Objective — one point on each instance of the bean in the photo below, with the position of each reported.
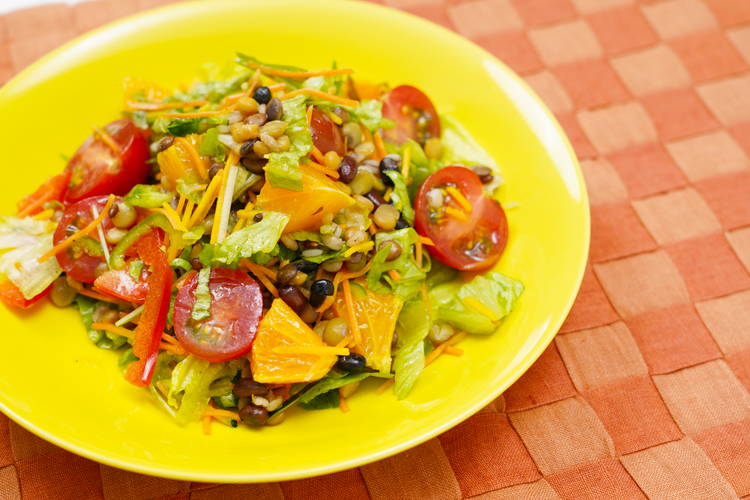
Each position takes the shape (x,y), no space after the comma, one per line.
(110,317)
(125,215)
(320,328)
(394,341)
(62,294)
(165,143)
(275,128)
(319,291)
(276,419)
(311,244)
(196,263)
(246,149)
(100,269)
(115,234)
(286,274)
(364,202)
(353,134)
(274,109)
(261,149)
(332,160)
(247,106)
(242,132)
(433,148)
(306,267)
(253,165)
(342,114)
(366,148)
(336,330)
(347,169)
(293,297)
(354,236)
(440,332)
(352,363)
(387,165)
(386,217)
(481,170)
(486,179)
(258,119)
(215,168)
(262,95)
(401,223)
(99,313)
(362,183)
(376,199)
(332,266)
(395,251)
(308,314)
(332,241)
(253,414)
(247,387)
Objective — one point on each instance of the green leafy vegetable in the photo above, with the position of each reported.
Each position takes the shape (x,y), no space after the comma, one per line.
(202,306)
(400,196)
(211,145)
(324,401)
(408,361)
(411,276)
(420,166)
(22,267)
(193,378)
(333,380)
(282,171)
(258,238)
(126,358)
(102,339)
(146,196)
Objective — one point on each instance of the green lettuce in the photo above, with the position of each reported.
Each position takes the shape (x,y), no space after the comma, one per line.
(333,380)
(104,340)
(369,113)
(408,361)
(192,379)
(495,291)
(202,306)
(244,180)
(258,238)
(400,196)
(291,83)
(420,166)
(147,196)
(411,276)
(187,184)
(282,171)
(211,145)
(22,267)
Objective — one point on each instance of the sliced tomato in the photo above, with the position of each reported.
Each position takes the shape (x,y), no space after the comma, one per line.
(81,258)
(414,114)
(470,245)
(96,169)
(236,310)
(11,295)
(326,135)
(121,284)
(52,190)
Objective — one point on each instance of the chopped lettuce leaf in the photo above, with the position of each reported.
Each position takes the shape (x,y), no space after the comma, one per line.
(369,113)
(244,59)
(187,185)
(411,276)
(244,180)
(439,274)
(15,232)
(333,380)
(193,377)
(496,292)
(211,145)
(282,171)
(24,270)
(202,306)
(408,361)
(258,238)
(400,196)
(104,340)
(147,196)
(322,83)
(218,83)
(324,401)
(306,236)
(126,358)
(420,168)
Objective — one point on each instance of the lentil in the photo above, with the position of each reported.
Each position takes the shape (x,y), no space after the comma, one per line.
(286,274)
(275,128)
(362,183)
(366,203)
(386,217)
(332,160)
(332,266)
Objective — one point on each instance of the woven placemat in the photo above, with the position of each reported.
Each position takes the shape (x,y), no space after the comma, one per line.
(644,393)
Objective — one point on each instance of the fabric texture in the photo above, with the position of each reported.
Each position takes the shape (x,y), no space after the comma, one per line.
(644,392)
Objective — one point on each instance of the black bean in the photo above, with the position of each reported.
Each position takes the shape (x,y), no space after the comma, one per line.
(196,263)
(254,415)
(351,363)
(319,290)
(348,169)
(246,387)
(215,168)
(274,109)
(387,165)
(375,198)
(306,267)
(401,223)
(262,95)
(286,274)
(267,300)
(165,143)
(247,148)
(257,217)
(293,297)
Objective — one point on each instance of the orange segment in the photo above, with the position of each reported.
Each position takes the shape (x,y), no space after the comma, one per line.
(281,327)
(176,160)
(376,316)
(319,196)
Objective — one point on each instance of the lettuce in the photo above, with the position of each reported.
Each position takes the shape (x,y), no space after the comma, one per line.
(244,180)
(400,196)
(324,401)
(420,168)
(333,380)
(211,145)
(202,306)
(411,276)
(459,147)
(102,339)
(193,378)
(147,196)
(187,185)
(258,238)
(24,270)
(369,113)
(282,170)
(408,361)
(495,291)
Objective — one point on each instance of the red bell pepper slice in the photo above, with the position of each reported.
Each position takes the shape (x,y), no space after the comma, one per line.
(10,294)
(148,333)
(52,190)
(121,284)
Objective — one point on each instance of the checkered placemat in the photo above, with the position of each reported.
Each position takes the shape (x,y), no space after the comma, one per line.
(644,393)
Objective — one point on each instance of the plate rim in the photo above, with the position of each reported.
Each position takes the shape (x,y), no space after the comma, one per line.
(107,458)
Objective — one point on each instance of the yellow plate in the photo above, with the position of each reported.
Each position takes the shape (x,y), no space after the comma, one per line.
(57,384)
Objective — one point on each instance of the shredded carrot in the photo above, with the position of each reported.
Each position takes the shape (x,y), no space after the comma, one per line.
(46,215)
(309,119)
(188,212)
(207,425)
(434,354)
(38,203)
(317,154)
(323,170)
(106,138)
(457,338)
(200,114)
(311,349)
(319,273)
(367,136)
(379,146)
(207,200)
(426,241)
(482,309)
(109,327)
(385,386)
(174,219)
(365,246)
(194,156)
(218,413)
(395,275)
(340,277)
(162,388)
(269,286)
(373,230)
(418,246)
(350,309)
(301,74)
(342,404)
(453,351)
(253,83)
(180,205)
(160,106)
(258,270)
(80,234)
(321,95)
(457,214)
(328,302)
(406,163)
(277,87)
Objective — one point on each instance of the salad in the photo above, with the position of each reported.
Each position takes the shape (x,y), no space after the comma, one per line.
(268,237)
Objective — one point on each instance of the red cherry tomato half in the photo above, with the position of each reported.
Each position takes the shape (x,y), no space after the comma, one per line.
(11,295)
(80,259)
(470,245)
(326,135)
(121,284)
(236,309)
(405,105)
(97,170)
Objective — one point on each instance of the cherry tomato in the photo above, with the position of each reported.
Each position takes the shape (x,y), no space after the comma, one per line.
(326,135)
(236,309)
(414,114)
(121,284)
(466,245)
(11,295)
(97,170)
(81,258)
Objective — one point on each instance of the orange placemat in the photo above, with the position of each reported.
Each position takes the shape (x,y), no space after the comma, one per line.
(644,393)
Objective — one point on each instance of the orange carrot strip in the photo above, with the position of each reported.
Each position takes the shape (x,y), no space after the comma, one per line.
(456,338)
(379,147)
(453,351)
(366,133)
(309,118)
(159,106)
(109,327)
(216,412)
(200,114)
(342,404)
(418,246)
(38,203)
(106,138)
(317,154)
(194,156)
(207,425)
(321,95)
(426,241)
(80,234)
(323,170)
(278,86)
(384,387)
(434,354)
(258,270)
(301,74)
(253,83)
(395,275)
